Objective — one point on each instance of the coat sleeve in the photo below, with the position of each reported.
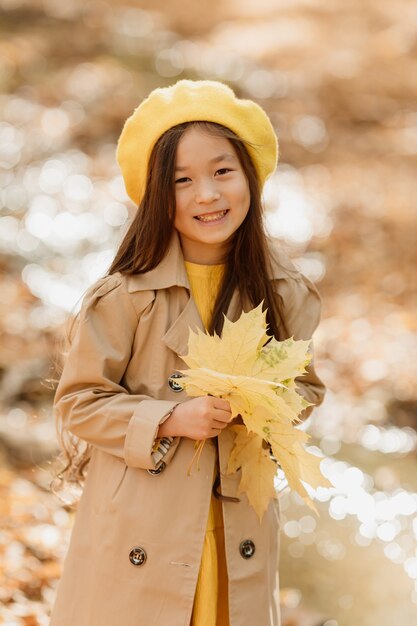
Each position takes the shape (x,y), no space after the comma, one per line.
(90,399)
(302,310)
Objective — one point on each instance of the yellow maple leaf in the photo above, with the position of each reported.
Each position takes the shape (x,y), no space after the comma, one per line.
(286,443)
(280,360)
(296,462)
(256,374)
(258,469)
(240,391)
(233,353)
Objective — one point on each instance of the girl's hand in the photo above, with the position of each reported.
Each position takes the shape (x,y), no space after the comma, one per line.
(198,418)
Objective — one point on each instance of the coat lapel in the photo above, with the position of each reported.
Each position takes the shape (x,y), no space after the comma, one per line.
(171,272)
(176,337)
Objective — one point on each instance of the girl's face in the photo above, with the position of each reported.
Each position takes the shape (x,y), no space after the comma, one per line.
(211,194)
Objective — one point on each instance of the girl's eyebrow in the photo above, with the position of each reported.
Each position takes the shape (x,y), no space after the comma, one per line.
(222,157)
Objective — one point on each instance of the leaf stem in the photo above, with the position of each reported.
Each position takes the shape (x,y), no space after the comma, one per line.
(199,445)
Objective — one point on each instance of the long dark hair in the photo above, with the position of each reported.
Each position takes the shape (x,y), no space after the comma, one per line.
(146,242)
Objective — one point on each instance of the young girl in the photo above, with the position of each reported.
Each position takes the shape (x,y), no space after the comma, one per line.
(151,545)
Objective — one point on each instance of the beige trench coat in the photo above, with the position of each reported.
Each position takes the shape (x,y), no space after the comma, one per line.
(114,393)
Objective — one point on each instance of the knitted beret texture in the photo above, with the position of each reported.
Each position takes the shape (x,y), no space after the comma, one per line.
(189,101)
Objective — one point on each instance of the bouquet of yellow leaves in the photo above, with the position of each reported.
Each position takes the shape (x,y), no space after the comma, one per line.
(256,373)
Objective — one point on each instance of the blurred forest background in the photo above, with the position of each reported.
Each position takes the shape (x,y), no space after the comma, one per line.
(338,80)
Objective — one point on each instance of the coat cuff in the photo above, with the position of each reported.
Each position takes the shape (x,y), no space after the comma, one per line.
(142,432)
(160,450)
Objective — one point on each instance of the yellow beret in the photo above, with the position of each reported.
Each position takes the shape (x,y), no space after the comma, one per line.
(188,101)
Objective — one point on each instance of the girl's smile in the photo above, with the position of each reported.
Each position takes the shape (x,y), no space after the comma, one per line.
(212,218)
(212,195)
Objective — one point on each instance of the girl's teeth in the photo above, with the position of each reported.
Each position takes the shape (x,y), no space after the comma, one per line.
(211,218)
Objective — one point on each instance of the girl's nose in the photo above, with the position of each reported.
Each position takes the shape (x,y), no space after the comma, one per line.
(206,193)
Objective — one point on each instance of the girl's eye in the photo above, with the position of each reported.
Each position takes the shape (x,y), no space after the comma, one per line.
(182,180)
(224,170)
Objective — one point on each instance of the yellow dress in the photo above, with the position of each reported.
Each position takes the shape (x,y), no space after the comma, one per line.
(211,598)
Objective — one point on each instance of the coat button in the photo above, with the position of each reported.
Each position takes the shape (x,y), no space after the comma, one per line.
(247,549)
(158,469)
(173,385)
(137,556)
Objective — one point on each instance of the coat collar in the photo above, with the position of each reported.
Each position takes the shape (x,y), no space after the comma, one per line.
(171,270)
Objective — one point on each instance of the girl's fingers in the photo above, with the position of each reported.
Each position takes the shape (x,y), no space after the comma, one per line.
(223,415)
(218,425)
(221,405)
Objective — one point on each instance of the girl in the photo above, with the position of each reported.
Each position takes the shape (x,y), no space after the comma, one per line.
(152,546)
